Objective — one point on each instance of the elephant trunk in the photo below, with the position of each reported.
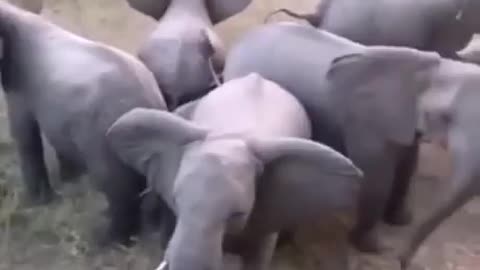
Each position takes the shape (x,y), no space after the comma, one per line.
(195,244)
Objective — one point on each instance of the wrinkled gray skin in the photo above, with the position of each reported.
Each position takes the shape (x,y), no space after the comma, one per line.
(450,115)
(72,89)
(237,177)
(444,26)
(183,52)
(361,101)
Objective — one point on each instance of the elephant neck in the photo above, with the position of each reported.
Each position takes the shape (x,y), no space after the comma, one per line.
(194,11)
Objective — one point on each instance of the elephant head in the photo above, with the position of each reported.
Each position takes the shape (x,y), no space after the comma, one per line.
(217,183)
(193,57)
(218,10)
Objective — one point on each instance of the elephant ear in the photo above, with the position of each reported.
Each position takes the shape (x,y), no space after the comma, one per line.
(220,10)
(302,181)
(142,134)
(152,8)
(378,89)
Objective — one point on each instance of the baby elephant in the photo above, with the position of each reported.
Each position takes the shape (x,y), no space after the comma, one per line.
(183,52)
(237,170)
(72,90)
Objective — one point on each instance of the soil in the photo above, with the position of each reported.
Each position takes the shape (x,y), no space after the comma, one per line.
(60,236)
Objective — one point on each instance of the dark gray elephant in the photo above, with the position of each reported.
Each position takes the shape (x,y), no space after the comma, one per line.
(444,26)
(184,52)
(72,89)
(450,115)
(238,168)
(361,101)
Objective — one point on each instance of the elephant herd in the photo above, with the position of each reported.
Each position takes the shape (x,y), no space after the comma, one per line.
(226,150)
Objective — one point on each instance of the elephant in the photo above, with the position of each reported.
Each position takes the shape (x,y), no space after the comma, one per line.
(184,52)
(449,118)
(72,90)
(444,26)
(361,101)
(235,166)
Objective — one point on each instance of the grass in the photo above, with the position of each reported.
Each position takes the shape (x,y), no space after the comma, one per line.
(57,236)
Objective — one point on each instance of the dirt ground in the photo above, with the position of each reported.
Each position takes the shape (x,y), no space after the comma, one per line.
(59,236)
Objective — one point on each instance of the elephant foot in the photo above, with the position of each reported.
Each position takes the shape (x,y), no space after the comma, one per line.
(402,217)
(367,243)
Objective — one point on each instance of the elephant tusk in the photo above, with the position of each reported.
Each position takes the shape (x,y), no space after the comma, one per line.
(145,191)
(214,74)
(163,265)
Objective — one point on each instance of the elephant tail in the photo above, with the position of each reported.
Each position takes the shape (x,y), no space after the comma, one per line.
(315,19)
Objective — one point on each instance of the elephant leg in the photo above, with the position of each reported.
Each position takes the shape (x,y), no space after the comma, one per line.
(156,215)
(375,190)
(27,136)
(69,171)
(397,211)
(454,200)
(122,188)
(124,211)
(257,252)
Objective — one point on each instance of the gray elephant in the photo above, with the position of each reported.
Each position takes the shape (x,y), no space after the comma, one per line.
(184,52)
(72,90)
(444,26)
(235,167)
(360,99)
(449,118)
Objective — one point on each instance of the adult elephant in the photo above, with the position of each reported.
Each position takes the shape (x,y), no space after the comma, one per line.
(235,166)
(72,89)
(371,100)
(184,52)
(444,26)
(361,101)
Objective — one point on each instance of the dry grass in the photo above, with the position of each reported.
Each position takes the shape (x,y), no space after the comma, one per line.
(58,235)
